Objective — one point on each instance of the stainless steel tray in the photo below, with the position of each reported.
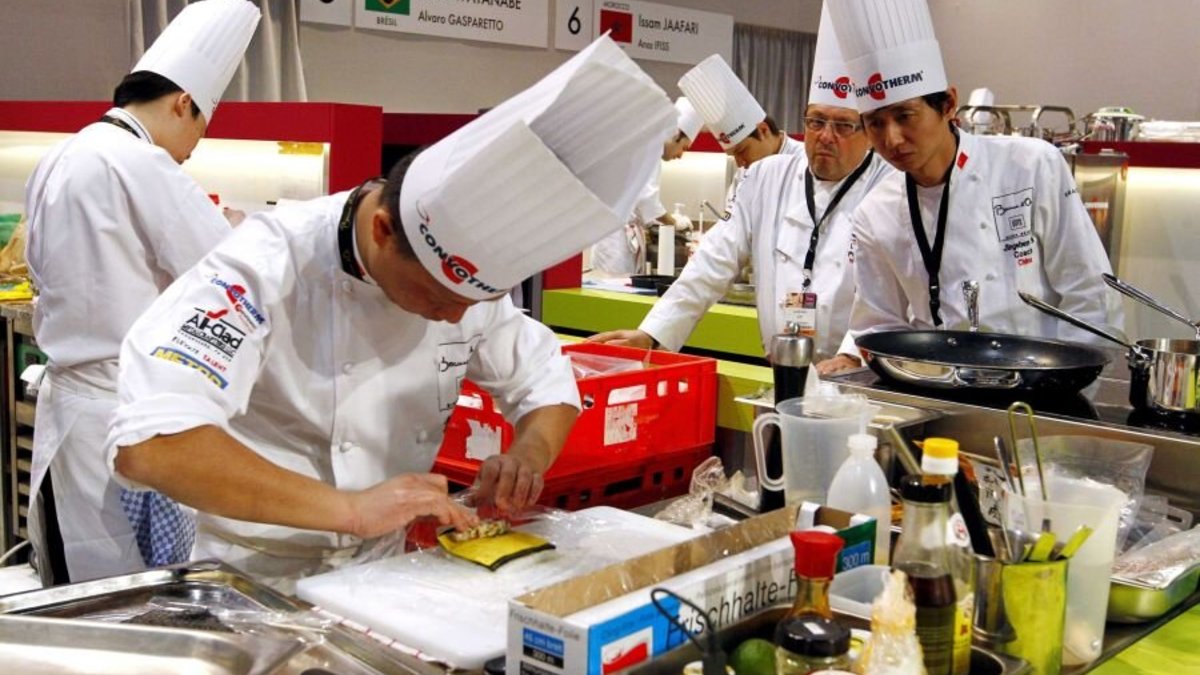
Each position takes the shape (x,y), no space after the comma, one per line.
(34,645)
(215,586)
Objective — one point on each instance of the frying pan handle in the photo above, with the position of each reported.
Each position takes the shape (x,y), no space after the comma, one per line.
(989,378)
(1144,298)
(1079,323)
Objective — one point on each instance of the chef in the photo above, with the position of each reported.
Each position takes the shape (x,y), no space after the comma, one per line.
(294,385)
(623,252)
(802,273)
(1000,210)
(743,129)
(113,220)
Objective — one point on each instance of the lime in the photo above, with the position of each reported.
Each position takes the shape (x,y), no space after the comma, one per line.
(755,656)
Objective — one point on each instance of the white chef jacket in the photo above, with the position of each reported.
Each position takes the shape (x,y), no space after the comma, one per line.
(790,146)
(1016,223)
(113,219)
(770,225)
(316,370)
(623,251)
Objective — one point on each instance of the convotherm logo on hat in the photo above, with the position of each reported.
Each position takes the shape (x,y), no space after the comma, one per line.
(877,87)
(389,6)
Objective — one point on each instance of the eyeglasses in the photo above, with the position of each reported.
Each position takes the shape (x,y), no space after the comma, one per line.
(840,129)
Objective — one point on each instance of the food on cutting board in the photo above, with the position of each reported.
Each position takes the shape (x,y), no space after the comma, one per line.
(486,528)
(492,544)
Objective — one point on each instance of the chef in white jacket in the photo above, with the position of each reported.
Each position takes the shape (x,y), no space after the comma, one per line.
(1002,211)
(742,128)
(623,252)
(294,385)
(771,224)
(113,220)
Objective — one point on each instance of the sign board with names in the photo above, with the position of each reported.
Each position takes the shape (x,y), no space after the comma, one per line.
(645,30)
(514,22)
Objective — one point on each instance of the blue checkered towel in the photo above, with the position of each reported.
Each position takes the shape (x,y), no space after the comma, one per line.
(165,531)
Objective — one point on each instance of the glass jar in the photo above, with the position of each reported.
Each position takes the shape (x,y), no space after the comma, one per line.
(806,644)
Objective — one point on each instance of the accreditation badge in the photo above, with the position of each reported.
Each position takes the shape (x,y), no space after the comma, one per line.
(800,310)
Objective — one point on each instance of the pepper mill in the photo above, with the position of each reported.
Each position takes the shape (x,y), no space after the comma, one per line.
(791,355)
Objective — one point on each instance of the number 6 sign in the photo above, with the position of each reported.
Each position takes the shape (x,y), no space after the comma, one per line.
(574,26)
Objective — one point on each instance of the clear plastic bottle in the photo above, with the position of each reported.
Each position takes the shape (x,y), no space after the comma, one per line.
(860,486)
(939,463)
(923,554)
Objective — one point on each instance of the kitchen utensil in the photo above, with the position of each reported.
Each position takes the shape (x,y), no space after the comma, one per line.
(650,281)
(1112,123)
(907,459)
(1164,374)
(1077,539)
(791,355)
(944,359)
(1006,463)
(814,433)
(1033,437)
(713,210)
(1146,299)
(970,291)
(1043,546)
(1128,603)
(1021,610)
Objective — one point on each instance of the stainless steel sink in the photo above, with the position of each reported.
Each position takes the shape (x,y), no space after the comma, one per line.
(32,646)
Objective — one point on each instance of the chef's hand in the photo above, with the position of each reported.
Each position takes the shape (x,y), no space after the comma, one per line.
(510,481)
(234,216)
(624,338)
(397,501)
(837,364)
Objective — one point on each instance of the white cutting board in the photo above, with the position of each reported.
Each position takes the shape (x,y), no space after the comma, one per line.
(457,612)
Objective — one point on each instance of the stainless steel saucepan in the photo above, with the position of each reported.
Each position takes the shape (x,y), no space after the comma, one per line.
(1164,374)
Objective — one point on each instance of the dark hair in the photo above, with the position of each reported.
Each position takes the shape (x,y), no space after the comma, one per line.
(389,197)
(772,126)
(938,100)
(145,86)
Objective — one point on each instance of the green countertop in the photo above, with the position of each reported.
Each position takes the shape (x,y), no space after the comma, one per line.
(731,329)
(1173,649)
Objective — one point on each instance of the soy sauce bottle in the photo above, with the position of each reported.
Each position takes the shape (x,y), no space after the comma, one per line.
(923,553)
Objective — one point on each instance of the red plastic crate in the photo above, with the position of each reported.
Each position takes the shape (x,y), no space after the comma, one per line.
(628,485)
(676,410)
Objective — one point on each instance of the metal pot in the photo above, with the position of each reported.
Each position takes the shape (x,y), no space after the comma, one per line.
(1112,124)
(947,359)
(1164,374)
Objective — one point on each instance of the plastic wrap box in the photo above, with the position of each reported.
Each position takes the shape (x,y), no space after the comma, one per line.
(603,622)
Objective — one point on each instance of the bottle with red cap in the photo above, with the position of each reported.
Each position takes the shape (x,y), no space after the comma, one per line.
(808,639)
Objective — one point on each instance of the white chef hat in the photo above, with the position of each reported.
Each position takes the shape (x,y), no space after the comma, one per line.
(890,50)
(830,84)
(728,108)
(201,48)
(690,121)
(539,177)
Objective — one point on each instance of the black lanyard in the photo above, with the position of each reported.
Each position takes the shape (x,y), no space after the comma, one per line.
(120,123)
(345,236)
(810,257)
(931,257)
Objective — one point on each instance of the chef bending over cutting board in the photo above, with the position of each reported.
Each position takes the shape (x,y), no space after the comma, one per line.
(294,385)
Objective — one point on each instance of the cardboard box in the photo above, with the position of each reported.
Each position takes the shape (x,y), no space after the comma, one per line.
(605,621)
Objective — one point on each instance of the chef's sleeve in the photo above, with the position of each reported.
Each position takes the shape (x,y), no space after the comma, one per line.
(708,274)
(649,205)
(193,357)
(1073,257)
(879,300)
(180,223)
(520,363)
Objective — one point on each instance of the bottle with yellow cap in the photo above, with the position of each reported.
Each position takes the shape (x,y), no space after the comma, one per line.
(939,464)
